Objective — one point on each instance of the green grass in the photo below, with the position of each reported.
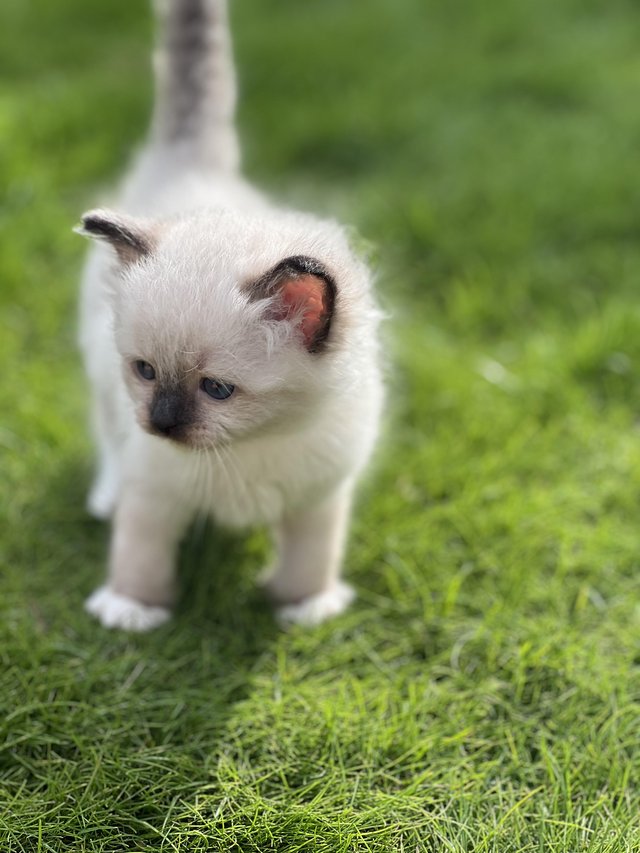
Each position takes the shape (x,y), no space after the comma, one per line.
(484,692)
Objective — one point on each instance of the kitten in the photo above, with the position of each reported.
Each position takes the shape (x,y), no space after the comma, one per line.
(232,351)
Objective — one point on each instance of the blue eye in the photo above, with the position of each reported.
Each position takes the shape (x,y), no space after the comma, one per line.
(217,389)
(144,369)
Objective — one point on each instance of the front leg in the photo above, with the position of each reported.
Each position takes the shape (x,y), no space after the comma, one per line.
(306,583)
(140,588)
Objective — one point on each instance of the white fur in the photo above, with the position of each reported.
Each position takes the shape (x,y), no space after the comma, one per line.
(316,608)
(285,449)
(120,611)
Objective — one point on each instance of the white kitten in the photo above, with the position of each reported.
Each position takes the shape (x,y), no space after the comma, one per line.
(232,349)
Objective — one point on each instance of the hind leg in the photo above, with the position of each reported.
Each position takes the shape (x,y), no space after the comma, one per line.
(103,493)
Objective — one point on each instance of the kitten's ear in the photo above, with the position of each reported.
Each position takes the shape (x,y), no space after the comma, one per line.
(300,290)
(133,239)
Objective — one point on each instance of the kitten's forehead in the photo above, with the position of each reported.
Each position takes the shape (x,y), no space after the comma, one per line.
(189,303)
(216,251)
(184,325)
(245,246)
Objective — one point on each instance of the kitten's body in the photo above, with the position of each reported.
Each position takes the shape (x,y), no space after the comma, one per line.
(214,281)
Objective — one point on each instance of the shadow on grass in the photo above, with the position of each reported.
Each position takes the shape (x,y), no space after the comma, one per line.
(217,568)
(74,685)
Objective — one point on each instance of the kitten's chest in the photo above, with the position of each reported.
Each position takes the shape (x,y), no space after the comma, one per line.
(239,495)
(260,485)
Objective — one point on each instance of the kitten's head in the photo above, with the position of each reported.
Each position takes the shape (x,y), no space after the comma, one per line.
(229,326)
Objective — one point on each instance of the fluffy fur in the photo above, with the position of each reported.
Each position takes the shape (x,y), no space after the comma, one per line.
(190,280)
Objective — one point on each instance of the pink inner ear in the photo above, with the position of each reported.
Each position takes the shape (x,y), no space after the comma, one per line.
(305,295)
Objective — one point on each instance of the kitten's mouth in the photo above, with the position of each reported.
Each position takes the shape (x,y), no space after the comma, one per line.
(176,434)
(179,435)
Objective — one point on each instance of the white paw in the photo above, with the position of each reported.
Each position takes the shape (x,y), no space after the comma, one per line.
(316,608)
(119,611)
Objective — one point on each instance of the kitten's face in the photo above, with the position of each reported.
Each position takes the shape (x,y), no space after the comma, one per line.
(205,387)
(223,333)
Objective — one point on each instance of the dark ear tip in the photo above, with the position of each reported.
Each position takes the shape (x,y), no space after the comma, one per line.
(97,222)
(125,234)
(89,222)
(92,224)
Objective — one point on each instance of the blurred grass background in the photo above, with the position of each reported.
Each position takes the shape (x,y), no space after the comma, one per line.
(484,693)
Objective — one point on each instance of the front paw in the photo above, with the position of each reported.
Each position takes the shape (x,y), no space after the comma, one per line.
(317,608)
(119,611)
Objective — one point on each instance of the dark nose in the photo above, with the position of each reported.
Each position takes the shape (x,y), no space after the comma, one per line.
(168,415)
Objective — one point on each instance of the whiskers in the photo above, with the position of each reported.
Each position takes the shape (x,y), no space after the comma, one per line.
(236,487)
(215,478)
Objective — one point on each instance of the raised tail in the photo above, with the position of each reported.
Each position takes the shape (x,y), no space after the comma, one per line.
(195,83)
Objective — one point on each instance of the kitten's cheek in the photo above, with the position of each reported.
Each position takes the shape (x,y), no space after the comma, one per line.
(142,417)
(143,420)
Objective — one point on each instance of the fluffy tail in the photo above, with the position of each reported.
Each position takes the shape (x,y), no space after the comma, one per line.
(195,83)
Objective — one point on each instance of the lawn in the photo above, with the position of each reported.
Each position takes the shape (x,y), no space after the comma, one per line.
(484,692)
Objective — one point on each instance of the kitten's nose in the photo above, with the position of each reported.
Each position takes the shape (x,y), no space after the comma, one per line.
(167,414)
